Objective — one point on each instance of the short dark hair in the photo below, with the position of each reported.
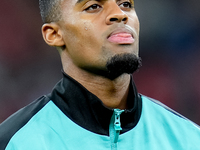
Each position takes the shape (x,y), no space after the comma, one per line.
(50,10)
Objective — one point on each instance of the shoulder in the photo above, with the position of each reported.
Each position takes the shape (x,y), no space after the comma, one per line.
(169,121)
(159,108)
(19,119)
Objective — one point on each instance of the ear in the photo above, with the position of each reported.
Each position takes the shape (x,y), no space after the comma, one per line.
(52,35)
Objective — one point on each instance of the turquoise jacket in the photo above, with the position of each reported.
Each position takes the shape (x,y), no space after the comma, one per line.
(72,118)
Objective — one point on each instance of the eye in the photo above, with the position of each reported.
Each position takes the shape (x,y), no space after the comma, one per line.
(126,5)
(93,8)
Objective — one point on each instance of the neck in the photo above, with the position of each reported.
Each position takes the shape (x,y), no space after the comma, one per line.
(113,93)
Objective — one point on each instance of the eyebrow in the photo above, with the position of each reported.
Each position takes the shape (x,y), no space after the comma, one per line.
(79,1)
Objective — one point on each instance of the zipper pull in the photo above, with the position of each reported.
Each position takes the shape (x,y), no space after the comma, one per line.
(117,123)
(115,128)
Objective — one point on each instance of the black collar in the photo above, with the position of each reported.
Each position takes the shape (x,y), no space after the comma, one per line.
(87,110)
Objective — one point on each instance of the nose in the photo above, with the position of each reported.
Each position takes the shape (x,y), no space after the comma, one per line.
(116,15)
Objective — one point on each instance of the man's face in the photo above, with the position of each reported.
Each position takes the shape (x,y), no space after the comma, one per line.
(96,30)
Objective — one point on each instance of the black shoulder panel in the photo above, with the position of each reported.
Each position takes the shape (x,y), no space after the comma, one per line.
(16,121)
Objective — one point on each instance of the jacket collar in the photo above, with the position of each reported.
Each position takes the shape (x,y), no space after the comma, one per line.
(88,111)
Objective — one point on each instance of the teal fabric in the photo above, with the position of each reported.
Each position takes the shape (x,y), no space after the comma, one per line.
(157,129)
(160,129)
(50,129)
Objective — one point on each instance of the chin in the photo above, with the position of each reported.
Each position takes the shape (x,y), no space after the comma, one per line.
(122,63)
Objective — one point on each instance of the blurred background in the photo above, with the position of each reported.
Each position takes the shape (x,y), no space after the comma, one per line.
(169,47)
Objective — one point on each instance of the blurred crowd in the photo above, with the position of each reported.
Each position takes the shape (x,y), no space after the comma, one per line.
(169,48)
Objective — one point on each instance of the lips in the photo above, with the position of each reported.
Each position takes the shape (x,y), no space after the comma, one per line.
(121,36)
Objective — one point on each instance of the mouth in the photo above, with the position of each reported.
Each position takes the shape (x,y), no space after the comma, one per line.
(121,36)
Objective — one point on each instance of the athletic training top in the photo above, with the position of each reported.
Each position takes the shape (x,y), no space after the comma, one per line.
(72,118)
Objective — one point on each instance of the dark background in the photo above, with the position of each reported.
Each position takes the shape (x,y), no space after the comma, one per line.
(169,47)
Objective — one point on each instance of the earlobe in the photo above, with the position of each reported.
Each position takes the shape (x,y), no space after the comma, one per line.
(52,35)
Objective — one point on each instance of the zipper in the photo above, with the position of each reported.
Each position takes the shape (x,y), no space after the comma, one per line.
(115,128)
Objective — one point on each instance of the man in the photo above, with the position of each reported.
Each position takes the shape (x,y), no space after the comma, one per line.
(96,105)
